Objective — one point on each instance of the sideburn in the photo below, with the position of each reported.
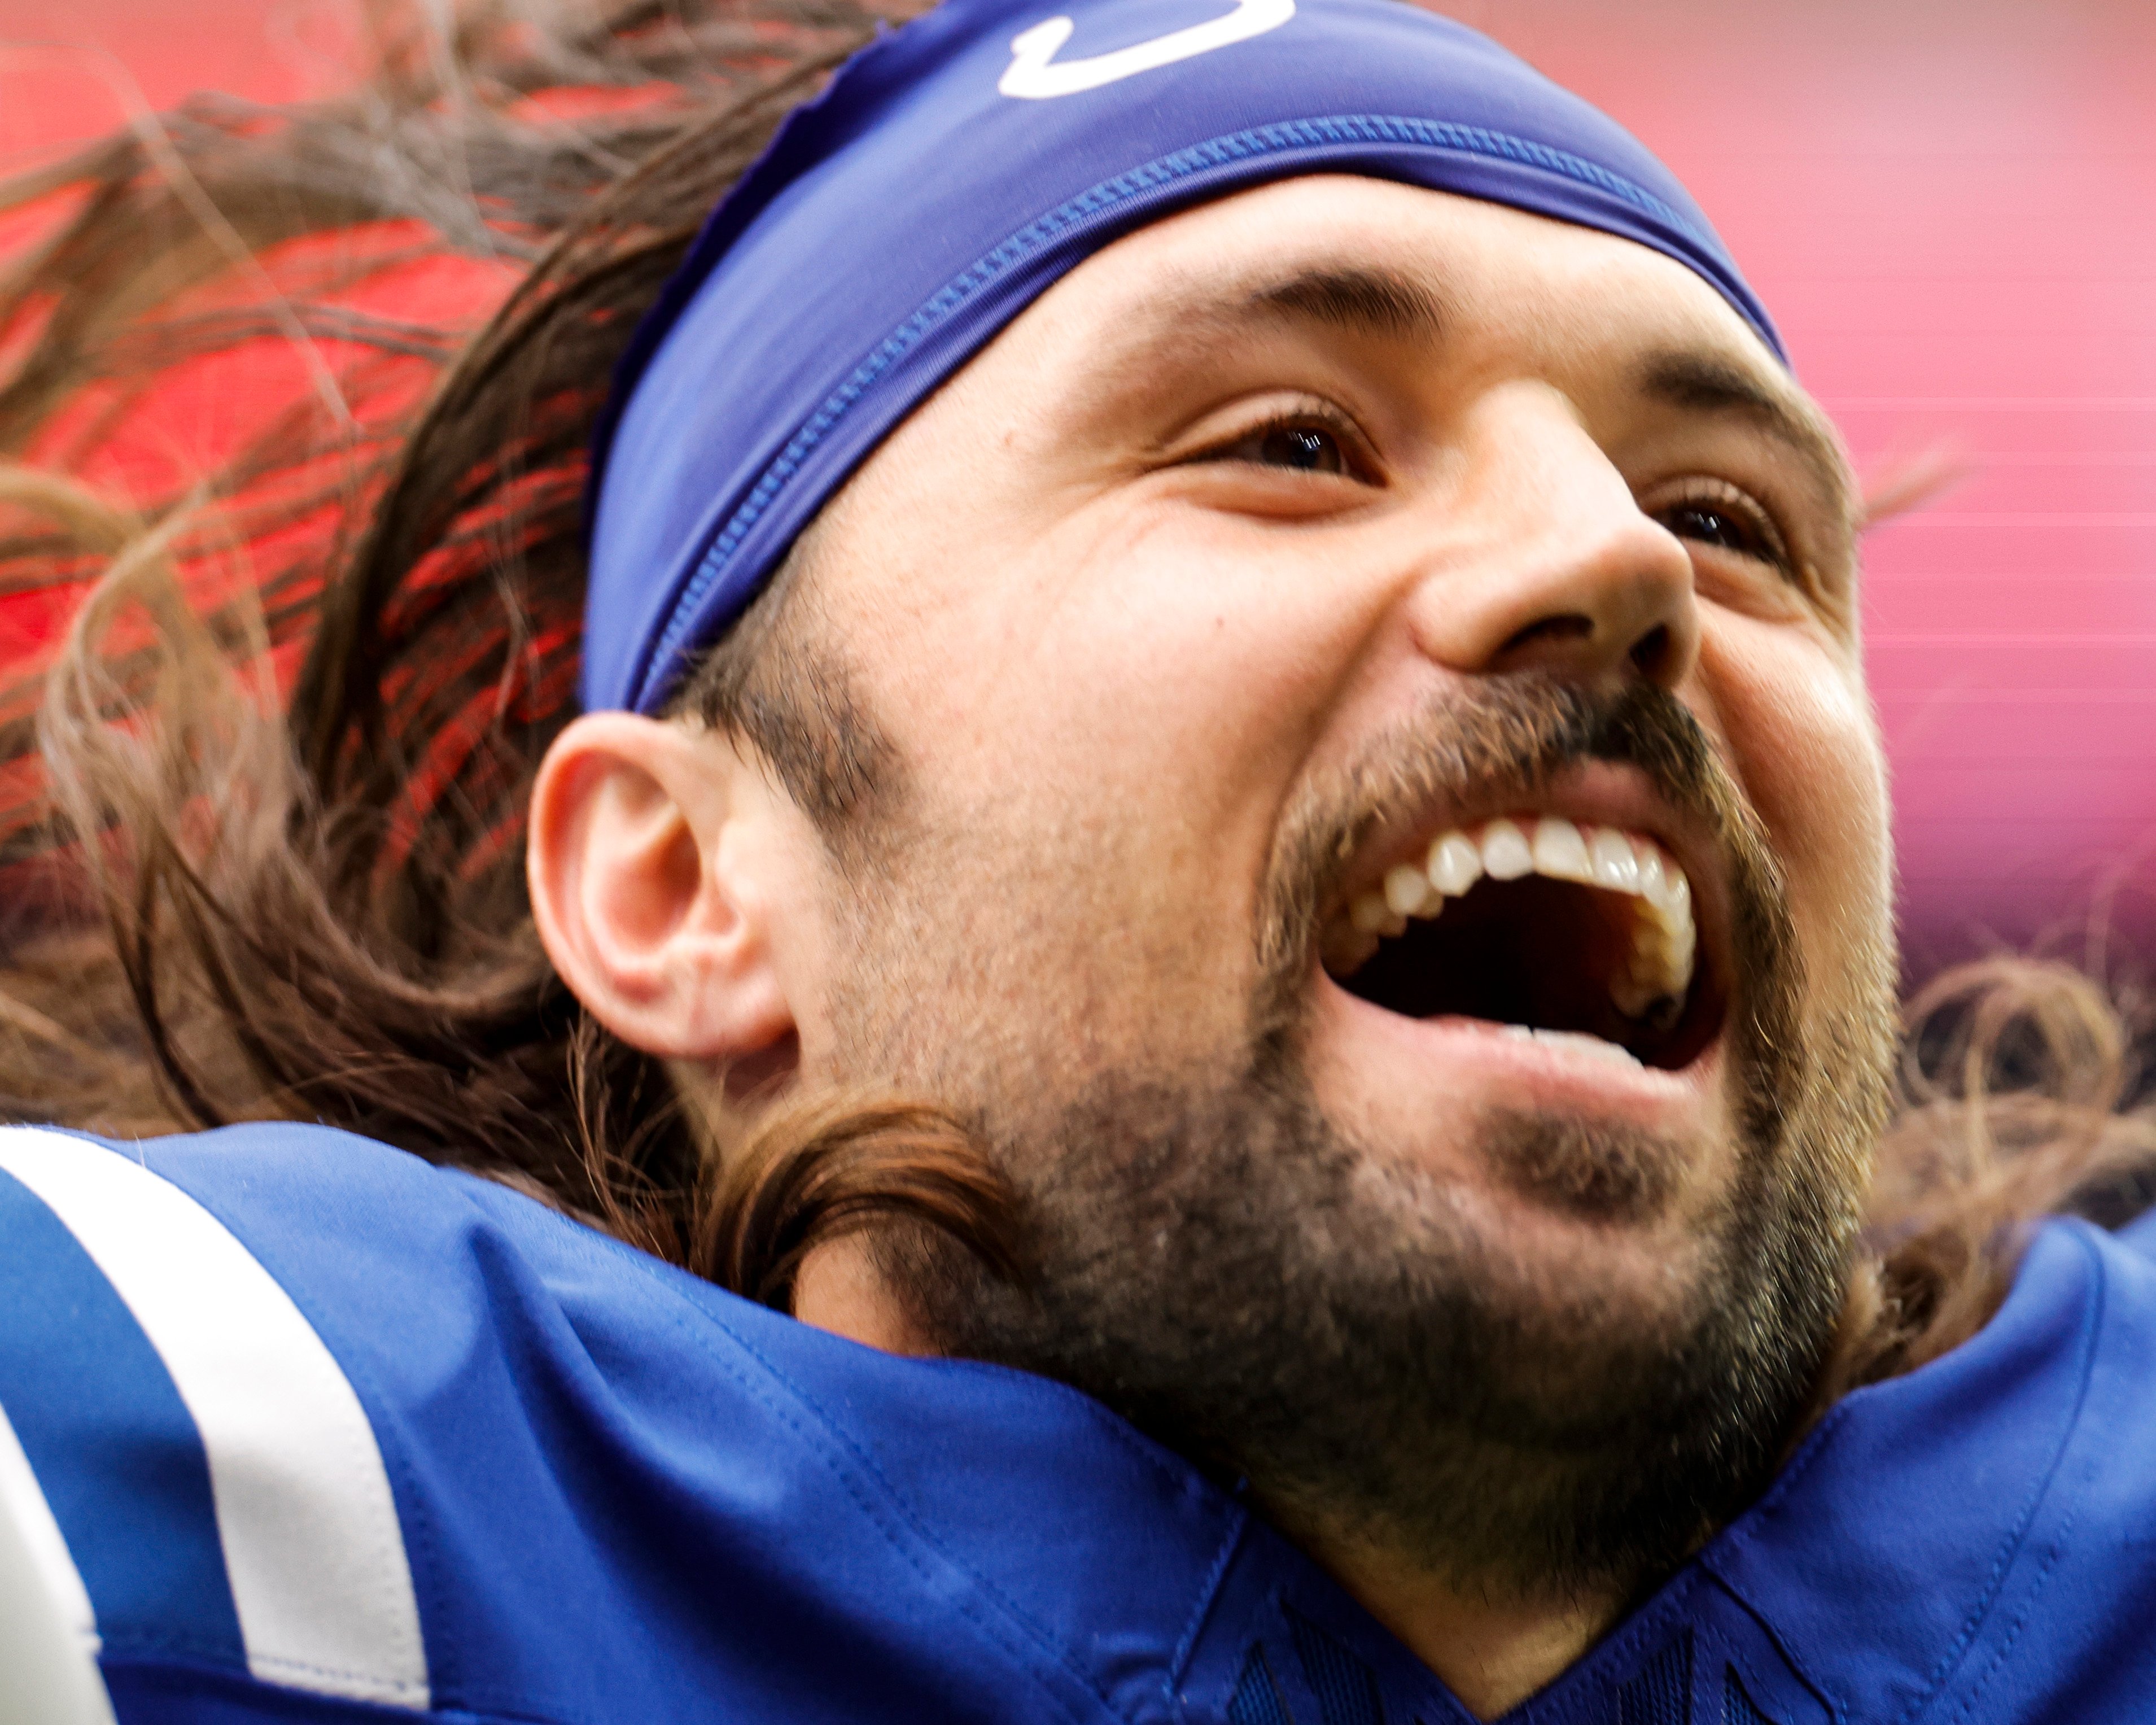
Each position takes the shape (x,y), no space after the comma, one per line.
(778,682)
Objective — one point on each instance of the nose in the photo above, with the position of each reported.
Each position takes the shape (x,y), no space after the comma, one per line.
(1547,563)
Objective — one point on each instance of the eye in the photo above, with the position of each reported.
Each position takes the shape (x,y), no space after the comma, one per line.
(1304,448)
(1302,444)
(1720,515)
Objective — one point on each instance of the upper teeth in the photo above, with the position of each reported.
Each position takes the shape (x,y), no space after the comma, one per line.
(1665,940)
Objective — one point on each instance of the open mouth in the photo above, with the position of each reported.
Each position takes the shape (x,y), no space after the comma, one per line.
(1577,935)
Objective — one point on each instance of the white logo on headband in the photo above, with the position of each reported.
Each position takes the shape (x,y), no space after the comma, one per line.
(1034,75)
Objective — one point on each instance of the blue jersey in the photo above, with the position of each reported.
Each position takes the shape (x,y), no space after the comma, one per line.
(299,1428)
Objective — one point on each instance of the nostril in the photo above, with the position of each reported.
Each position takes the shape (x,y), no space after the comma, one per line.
(1549,631)
(1652,651)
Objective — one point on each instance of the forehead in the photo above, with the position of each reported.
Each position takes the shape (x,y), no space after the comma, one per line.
(1461,255)
(1461,279)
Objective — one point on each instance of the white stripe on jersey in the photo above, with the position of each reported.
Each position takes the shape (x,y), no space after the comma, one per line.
(47,1634)
(312,1547)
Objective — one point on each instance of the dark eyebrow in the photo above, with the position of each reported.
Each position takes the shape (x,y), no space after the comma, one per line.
(1370,302)
(1701,383)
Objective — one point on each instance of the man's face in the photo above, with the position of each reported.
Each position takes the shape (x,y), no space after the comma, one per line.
(1281,547)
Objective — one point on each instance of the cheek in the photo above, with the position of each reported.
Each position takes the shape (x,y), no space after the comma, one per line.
(1166,682)
(1109,722)
(1800,729)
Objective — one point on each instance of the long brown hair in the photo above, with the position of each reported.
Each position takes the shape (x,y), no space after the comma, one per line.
(261,842)
(260,807)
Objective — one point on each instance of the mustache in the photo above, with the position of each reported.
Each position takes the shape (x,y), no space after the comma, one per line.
(1510,736)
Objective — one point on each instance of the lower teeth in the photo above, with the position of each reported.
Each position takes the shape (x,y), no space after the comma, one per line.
(1577,1042)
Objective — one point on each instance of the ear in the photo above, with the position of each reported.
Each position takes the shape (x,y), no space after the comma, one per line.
(650,854)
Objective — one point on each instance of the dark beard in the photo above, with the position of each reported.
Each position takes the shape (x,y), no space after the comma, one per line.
(1218,1262)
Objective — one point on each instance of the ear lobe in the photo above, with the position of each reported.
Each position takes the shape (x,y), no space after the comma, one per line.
(653,919)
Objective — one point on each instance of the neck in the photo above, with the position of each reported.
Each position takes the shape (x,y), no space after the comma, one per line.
(1492,1651)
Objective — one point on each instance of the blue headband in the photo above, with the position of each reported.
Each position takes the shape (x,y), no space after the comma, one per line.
(956,167)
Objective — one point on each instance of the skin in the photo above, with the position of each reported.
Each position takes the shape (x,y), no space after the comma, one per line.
(1132,625)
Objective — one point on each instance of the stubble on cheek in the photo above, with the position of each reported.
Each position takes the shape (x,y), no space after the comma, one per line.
(1224,1264)
(993,962)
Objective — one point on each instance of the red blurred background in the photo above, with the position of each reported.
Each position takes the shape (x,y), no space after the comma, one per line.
(1950,208)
